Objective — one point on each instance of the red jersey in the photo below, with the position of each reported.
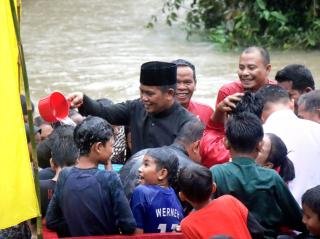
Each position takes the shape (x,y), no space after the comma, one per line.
(225,215)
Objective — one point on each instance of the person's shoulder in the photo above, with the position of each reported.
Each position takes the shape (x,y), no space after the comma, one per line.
(233,85)
(200,105)
(220,167)
(47,183)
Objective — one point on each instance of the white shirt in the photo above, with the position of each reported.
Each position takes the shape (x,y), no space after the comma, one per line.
(302,138)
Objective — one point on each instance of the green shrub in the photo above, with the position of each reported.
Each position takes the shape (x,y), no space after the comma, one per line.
(231,23)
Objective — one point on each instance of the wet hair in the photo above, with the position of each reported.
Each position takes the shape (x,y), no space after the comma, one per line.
(251,103)
(244,131)
(278,156)
(311,101)
(63,148)
(311,198)
(299,75)
(24,105)
(195,181)
(184,63)
(190,132)
(91,130)
(273,94)
(165,158)
(263,52)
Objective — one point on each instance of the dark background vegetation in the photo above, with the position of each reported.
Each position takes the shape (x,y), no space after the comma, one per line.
(281,24)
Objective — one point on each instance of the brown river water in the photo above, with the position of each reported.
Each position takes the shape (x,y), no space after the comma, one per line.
(98,47)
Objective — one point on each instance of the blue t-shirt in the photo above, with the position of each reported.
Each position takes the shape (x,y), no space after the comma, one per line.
(156,209)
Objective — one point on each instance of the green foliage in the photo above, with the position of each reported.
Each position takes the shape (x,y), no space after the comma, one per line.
(231,23)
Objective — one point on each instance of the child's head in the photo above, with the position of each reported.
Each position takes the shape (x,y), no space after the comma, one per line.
(274,154)
(195,183)
(63,149)
(244,133)
(311,210)
(159,167)
(94,134)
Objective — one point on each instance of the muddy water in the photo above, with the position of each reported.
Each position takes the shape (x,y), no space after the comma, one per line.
(98,46)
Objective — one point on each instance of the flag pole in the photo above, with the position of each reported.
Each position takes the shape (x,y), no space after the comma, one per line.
(29,112)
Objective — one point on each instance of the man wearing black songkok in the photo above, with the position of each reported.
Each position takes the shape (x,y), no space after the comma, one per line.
(155,119)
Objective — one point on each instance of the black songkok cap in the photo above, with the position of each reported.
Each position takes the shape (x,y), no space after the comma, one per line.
(156,73)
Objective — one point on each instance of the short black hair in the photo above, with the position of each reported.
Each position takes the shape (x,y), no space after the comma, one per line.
(195,181)
(311,101)
(311,198)
(251,103)
(273,94)
(63,148)
(184,63)
(244,131)
(263,52)
(190,132)
(299,75)
(278,156)
(165,158)
(91,130)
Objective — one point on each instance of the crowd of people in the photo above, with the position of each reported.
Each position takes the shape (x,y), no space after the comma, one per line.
(248,169)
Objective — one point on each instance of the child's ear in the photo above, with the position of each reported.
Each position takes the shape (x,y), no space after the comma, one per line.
(97,146)
(214,187)
(182,196)
(162,174)
(226,143)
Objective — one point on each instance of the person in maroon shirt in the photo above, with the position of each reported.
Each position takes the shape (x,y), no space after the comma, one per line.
(186,85)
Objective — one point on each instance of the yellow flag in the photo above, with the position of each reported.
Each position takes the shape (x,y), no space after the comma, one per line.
(18,201)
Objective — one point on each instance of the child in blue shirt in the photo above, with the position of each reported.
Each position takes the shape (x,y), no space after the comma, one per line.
(154,203)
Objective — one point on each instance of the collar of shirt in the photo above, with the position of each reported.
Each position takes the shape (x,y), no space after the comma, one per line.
(243,161)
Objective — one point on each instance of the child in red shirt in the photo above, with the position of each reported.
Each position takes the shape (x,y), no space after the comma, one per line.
(222,216)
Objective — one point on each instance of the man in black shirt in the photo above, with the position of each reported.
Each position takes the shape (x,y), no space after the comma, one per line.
(155,119)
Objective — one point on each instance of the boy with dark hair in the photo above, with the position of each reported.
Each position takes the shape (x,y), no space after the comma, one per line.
(311,211)
(64,153)
(224,215)
(154,203)
(262,190)
(88,201)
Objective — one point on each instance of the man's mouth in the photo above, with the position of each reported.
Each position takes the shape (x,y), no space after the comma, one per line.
(181,95)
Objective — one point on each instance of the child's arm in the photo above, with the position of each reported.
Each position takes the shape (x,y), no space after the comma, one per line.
(121,206)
